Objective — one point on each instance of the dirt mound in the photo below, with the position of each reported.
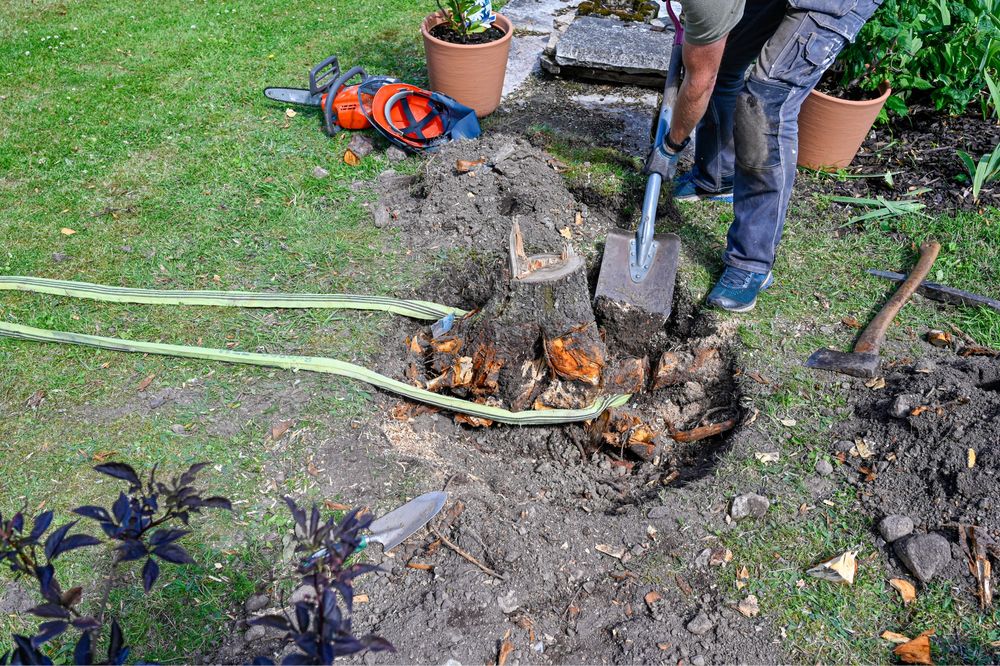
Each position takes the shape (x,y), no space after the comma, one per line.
(919,432)
(468,194)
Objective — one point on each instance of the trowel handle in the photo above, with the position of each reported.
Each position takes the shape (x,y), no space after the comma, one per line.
(871,339)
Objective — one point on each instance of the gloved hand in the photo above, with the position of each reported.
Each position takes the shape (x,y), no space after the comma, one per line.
(663,161)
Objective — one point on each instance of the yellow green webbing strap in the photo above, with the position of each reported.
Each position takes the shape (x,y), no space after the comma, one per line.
(416,309)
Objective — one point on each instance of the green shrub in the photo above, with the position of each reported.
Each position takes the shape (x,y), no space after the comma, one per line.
(937,51)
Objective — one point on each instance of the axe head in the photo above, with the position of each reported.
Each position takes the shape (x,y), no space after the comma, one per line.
(856,364)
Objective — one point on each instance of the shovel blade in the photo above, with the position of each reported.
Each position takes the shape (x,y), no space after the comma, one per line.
(654,294)
(856,364)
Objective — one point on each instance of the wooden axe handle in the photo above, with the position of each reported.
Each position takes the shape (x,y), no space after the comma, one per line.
(871,338)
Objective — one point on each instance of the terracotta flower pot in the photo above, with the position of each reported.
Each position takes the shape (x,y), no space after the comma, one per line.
(471,73)
(831,130)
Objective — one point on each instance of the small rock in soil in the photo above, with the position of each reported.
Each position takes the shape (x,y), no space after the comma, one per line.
(508,602)
(700,625)
(302,593)
(395,154)
(254,633)
(843,446)
(895,527)
(177,429)
(904,404)
(698,660)
(381,217)
(923,554)
(319,173)
(157,401)
(823,467)
(257,602)
(361,145)
(924,366)
(750,505)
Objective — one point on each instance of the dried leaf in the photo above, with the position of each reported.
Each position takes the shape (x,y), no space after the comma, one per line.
(893,637)
(351,159)
(905,588)
(767,456)
(419,566)
(917,651)
(749,606)
(850,322)
(565,232)
(579,218)
(336,506)
(720,556)
(876,383)
(66,231)
(971,458)
(311,469)
(290,113)
(465,166)
(840,569)
(144,384)
(474,421)
(279,429)
(757,377)
(741,578)
(505,649)
(611,551)
(788,423)
(939,338)
(35,399)
(862,449)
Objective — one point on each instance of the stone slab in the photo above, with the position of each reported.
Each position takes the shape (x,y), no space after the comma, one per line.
(536,15)
(523,60)
(599,45)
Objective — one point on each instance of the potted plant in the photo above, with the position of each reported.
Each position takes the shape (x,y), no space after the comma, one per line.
(467,45)
(832,128)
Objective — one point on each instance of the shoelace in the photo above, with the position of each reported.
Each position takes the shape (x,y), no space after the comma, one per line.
(736,278)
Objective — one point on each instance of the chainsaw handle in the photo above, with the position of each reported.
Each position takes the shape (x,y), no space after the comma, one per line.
(329,117)
(322,74)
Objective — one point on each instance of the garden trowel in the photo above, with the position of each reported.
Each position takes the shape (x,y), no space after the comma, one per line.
(399,524)
(639,268)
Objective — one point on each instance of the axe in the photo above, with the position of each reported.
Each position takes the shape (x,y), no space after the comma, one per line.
(864,360)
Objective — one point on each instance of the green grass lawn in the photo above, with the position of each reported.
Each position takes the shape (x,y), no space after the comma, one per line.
(143,130)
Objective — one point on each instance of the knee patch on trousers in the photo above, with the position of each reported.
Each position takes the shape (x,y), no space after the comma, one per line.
(755,126)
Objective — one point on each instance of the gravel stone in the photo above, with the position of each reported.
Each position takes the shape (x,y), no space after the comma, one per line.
(700,625)
(895,527)
(257,602)
(319,173)
(823,467)
(395,154)
(749,505)
(254,633)
(508,602)
(924,554)
(361,145)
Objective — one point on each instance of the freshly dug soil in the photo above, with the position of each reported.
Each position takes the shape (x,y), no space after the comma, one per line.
(920,429)
(448,34)
(920,150)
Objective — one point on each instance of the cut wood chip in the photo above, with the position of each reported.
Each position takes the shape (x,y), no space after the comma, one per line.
(917,651)
(66,231)
(939,338)
(144,384)
(465,166)
(577,354)
(788,423)
(905,588)
(893,637)
(840,569)
(767,456)
(611,551)
(850,322)
(351,159)
(505,649)
(749,606)
(579,218)
(290,113)
(970,458)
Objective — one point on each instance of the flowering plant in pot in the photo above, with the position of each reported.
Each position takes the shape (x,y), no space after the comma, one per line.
(467,46)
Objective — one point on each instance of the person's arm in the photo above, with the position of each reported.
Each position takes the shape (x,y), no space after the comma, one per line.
(701,66)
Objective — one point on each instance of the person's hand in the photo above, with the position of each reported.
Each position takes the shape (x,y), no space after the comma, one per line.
(663,161)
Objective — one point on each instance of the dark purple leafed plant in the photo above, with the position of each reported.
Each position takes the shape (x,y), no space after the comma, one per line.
(318,627)
(139,523)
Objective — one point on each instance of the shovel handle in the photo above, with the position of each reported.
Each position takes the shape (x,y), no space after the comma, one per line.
(871,339)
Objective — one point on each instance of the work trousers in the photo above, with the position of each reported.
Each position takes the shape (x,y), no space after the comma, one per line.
(748,138)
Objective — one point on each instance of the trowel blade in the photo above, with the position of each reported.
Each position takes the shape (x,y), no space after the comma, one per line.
(654,294)
(396,526)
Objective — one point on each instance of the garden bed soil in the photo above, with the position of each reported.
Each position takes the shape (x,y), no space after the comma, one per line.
(920,151)
(448,34)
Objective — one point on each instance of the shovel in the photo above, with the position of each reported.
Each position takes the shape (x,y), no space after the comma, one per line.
(640,268)
(398,525)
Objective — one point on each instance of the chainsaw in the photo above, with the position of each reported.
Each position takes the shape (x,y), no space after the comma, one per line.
(342,104)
